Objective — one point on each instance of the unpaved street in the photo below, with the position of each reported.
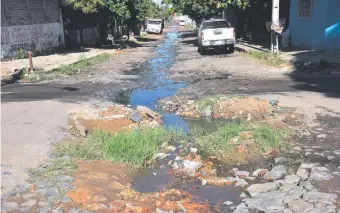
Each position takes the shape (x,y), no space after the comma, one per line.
(171,73)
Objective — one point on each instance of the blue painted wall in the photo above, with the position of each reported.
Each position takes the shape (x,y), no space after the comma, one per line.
(322,31)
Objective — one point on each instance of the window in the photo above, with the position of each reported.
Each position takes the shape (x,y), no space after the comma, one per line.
(305,9)
(215,24)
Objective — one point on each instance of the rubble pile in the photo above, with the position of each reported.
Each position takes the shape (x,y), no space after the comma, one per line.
(114,118)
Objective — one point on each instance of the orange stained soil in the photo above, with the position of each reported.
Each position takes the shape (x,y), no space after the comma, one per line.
(106,187)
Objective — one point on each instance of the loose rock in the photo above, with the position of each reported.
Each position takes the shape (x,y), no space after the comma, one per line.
(267,202)
(241,174)
(147,111)
(241,208)
(319,174)
(160,156)
(9,206)
(278,172)
(257,189)
(300,206)
(259,172)
(307,166)
(292,179)
(227,203)
(320,197)
(302,173)
(66,178)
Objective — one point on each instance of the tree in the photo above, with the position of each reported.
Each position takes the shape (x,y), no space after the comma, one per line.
(205,9)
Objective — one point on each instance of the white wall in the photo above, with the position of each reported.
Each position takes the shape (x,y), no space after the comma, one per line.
(38,37)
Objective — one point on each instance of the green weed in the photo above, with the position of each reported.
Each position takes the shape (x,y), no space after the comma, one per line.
(134,148)
(268,58)
(228,137)
(82,63)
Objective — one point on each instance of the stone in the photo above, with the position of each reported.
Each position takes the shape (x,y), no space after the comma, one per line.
(307,166)
(148,111)
(65,178)
(302,173)
(330,157)
(45,209)
(190,167)
(241,182)
(267,202)
(320,169)
(292,179)
(9,206)
(287,211)
(58,210)
(307,153)
(81,129)
(319,174)
(73,210)
(86,211)
(256,189)
(44,203)
(204,182)
(321,136)
(259,172)
(307,185)
(241,174)
(300,206)
(25,209)
(170,149)
(29,203)
(337,152)
(227,203)
(243,195)
(28,196)
(278,172)
(135,116)
(320,197)
(280,160)
(42,184)
(65,199)
(49,192)
(241,208)
(297,148)
(160,156)
(161,211)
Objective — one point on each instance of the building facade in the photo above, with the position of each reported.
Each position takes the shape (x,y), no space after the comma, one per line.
(30,25)
(315,24)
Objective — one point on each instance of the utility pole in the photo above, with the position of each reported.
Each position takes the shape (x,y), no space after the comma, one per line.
(274,26)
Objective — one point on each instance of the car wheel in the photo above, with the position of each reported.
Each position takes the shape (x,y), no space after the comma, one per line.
(232,49)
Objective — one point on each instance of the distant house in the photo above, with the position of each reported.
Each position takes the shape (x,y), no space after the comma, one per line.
(30,25)
(315,24)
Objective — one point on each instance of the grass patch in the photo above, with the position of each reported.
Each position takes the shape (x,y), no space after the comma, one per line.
(82,63)
(229,137)
(134,148)
(270,59)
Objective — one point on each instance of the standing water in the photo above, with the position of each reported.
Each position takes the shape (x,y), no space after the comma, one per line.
(158,86)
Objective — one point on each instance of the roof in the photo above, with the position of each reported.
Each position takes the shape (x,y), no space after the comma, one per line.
(212,20)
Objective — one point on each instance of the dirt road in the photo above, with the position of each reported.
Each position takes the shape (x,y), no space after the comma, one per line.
(33,115)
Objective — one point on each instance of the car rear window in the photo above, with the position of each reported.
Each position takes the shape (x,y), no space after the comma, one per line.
(215,24)
(181,20)
(154,22)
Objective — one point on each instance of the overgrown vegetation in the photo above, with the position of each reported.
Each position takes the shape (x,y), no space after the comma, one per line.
(134,148)
(81,64)
(233,136)
(270,59)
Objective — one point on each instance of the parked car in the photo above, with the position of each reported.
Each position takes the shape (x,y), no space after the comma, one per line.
(154,26)
(216,33)
(181,21)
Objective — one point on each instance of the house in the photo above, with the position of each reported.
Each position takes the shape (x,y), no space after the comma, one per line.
(30,26)
(315,24)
